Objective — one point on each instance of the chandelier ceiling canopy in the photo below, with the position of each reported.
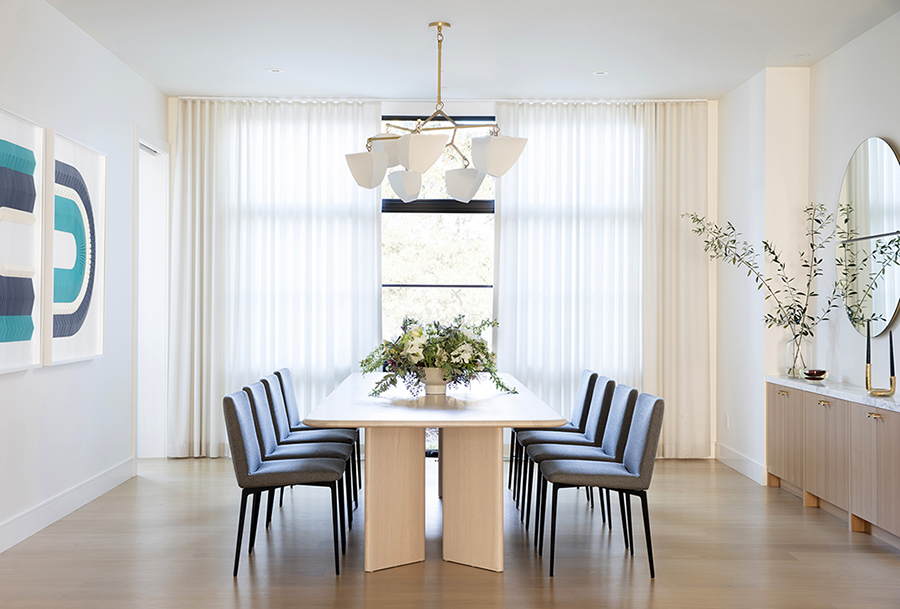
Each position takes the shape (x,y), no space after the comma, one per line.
(417,149)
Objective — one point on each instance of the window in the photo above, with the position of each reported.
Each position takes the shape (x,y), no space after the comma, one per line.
(437,253)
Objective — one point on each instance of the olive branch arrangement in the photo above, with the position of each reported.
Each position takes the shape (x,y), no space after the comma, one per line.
(793,306)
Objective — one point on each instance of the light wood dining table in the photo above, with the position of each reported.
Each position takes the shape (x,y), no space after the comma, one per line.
(472,421)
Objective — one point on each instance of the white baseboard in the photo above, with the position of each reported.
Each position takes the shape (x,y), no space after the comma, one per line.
(19,528)
(741,463)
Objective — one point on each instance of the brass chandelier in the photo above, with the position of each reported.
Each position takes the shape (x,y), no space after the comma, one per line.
(417,149)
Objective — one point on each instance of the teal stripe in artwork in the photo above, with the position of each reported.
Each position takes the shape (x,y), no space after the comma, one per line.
(67,282)
(16,158)
(15,328)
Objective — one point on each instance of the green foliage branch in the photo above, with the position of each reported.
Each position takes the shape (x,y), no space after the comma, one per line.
(793,307)
(456,348)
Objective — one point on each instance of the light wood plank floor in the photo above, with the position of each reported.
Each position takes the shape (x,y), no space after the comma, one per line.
(166,539)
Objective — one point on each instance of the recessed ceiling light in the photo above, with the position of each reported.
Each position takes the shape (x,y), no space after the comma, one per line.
(801,55)
(275,70)
(600,73)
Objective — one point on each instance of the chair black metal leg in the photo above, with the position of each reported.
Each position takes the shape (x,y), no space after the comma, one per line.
(543,514)
(348,482)
(254,517)
(354,473)
(512,445)
(358,461)
(537,499)
(590,490)
(553,527)
(334,526)
(602,505)
(240,535)
(624,518)
(517,484)
(269,507)
(630,528)
(281,499)
(646,516)
(527,511)
(608,509)
(340,498)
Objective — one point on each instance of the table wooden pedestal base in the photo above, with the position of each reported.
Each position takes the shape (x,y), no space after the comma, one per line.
(472,460)
(395,496)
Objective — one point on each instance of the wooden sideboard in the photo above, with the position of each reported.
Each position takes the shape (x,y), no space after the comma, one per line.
(837,448)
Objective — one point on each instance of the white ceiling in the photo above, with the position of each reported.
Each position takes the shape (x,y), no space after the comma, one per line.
(495,49)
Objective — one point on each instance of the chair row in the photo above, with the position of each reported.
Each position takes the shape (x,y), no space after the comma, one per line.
(271,449)
(609,443)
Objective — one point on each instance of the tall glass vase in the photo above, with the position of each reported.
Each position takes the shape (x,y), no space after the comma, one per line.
(799,350)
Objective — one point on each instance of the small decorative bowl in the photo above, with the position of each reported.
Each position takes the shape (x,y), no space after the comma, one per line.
(815,375)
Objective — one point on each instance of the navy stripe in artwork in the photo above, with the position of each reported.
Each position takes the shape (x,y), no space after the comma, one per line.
(16,296)
(16,190)
(68,325)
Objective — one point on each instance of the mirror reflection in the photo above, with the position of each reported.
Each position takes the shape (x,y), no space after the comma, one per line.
(868,232)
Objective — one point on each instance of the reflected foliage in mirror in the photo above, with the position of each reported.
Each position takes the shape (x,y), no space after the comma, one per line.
(869,206)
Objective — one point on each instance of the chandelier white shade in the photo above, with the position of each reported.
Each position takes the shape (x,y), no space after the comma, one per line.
(418,148)
(495,155)
(406,184)
(418,151)
(368,168)
(462,184)
(384,143)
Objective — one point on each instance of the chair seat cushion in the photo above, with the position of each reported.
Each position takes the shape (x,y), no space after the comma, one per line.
(567,428)
(591,473)
(346,435)
(310,450)
(545,452)
(527,438)
(320,435)
(295,471)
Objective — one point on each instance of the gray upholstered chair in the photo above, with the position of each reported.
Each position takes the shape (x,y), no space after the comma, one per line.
(576,424)
(284,435)
(254,476)
(613,420)
(273,451)
(295,421)
(631,477)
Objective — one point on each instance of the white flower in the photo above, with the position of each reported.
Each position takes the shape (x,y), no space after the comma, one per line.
(462,354)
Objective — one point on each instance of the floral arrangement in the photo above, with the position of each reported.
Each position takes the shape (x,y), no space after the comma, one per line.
(456,348)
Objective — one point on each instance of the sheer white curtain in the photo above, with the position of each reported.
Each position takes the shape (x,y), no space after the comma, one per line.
(275,256)
(584,220)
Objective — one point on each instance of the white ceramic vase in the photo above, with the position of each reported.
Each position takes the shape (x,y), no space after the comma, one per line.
(434,381)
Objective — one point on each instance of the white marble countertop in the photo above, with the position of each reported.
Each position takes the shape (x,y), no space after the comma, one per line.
(839,391)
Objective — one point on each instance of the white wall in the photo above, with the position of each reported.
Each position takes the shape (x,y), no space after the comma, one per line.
(763,189)
(855,94)
(65,431)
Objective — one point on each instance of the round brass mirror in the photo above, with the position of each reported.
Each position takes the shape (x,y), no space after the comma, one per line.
(868,236)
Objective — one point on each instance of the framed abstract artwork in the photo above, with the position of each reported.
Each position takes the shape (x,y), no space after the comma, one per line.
(75,256)
(21,241)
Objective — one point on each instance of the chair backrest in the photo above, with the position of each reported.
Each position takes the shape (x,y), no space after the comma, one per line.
(262,415)
(290,398)
(583,399)
(242,438)
(276,402)
(619,422)
(598,413)
(643,438)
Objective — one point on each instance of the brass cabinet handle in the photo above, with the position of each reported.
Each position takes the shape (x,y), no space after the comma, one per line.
(824,403)
(782,393)
(873,415)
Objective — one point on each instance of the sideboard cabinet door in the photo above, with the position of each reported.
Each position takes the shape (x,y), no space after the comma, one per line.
(863,463)
(784,433)
(827,450)
(887,441)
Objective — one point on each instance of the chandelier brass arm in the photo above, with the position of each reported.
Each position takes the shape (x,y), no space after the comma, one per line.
(419,147)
